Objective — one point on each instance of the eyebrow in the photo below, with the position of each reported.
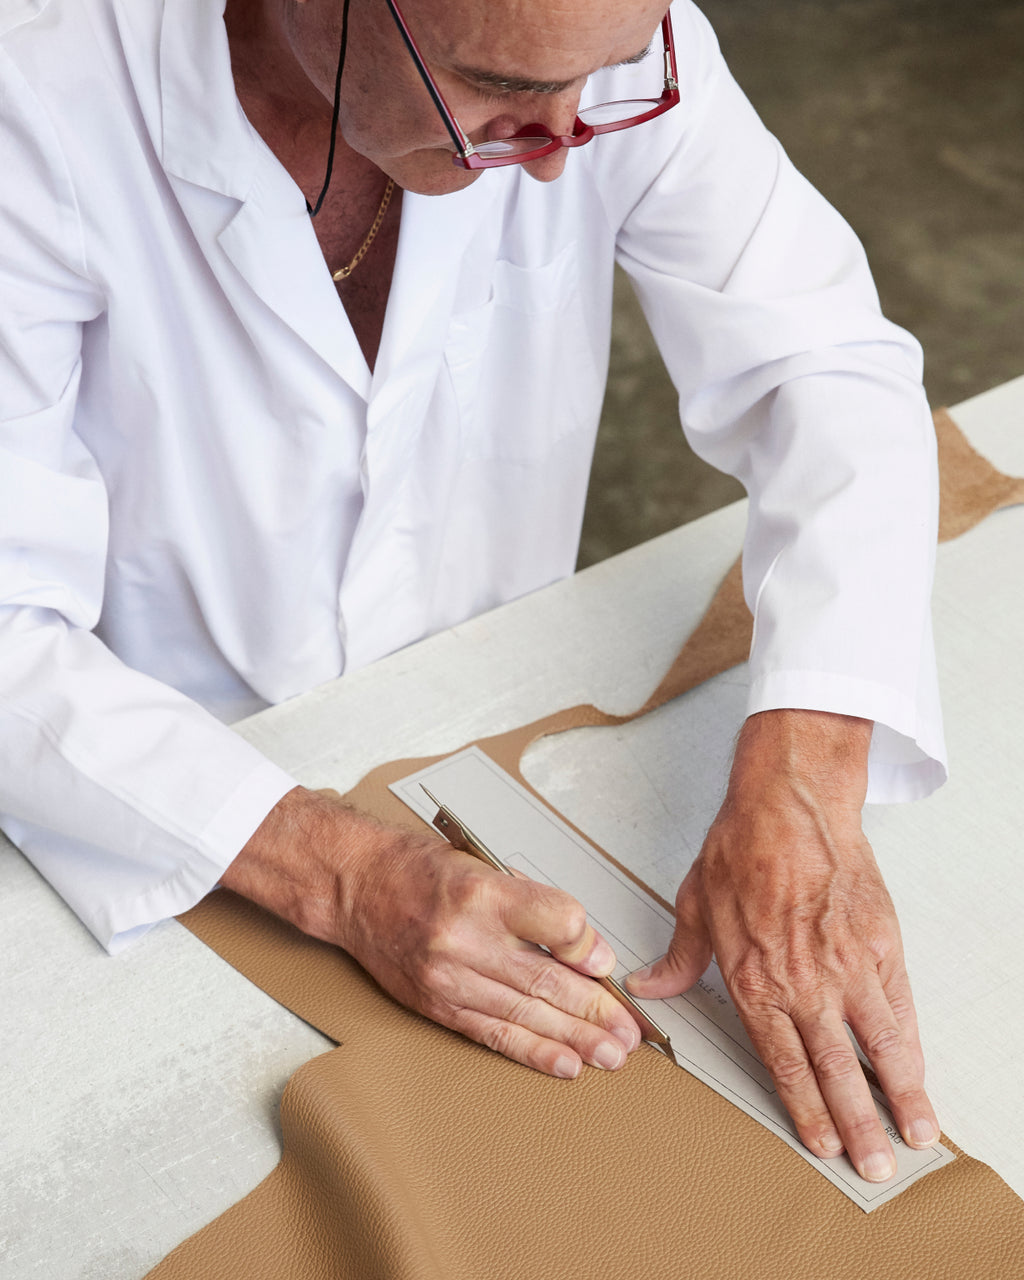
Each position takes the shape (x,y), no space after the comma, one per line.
(522,84)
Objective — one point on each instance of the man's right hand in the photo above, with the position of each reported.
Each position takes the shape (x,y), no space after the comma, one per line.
(441,932)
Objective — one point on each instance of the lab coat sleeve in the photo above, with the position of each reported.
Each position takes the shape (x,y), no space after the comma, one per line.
(789,377)
(125,795)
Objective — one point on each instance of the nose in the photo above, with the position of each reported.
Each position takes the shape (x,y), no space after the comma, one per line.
(548,168)
(557,112)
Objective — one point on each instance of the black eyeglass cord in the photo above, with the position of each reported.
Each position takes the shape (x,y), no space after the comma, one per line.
(313,210)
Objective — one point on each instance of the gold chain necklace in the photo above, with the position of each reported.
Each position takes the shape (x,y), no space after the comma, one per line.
(343,273)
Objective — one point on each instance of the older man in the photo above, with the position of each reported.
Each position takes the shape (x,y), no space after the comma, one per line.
(266,416)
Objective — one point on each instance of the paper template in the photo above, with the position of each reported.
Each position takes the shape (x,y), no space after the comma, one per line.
(703,1025)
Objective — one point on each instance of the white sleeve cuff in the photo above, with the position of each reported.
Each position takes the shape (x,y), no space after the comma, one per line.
(907,760)
(118,898)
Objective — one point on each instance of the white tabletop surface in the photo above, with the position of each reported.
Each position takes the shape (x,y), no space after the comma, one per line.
(138,1095)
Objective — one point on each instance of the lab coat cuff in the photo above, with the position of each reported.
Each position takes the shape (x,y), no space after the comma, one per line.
(217,846)
(907,760)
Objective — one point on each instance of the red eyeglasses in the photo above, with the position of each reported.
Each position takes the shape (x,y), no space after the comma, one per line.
(537,140)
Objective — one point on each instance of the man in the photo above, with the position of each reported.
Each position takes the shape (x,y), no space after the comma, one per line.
(227,477)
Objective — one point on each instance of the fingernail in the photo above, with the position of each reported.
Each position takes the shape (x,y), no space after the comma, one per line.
(879,1166)
(567,1068)
(640,975)
(831,1143)
(609,1056)
(602,958)
(922,1133)
(627,1036)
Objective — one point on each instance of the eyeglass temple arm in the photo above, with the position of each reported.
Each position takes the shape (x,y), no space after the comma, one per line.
(671,82)
(462,143)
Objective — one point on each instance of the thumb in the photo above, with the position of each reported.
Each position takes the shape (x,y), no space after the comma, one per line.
(688,955)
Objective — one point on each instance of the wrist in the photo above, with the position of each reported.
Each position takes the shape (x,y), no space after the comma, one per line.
(299,862)
(819,751)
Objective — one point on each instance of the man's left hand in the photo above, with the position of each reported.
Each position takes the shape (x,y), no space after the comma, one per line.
(787,895)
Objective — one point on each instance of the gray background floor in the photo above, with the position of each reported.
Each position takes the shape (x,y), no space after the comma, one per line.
(909,116)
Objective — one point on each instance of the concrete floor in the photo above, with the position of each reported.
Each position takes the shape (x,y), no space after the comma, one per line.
(909,116)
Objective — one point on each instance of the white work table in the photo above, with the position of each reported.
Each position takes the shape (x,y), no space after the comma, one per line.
(139,1094)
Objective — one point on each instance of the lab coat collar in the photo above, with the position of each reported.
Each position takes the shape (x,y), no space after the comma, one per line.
(206,137)
(295,283)
(208,141)
(293,280)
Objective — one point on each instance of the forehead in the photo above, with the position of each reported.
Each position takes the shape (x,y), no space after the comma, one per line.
(543,40)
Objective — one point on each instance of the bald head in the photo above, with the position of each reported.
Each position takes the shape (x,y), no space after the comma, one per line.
(548,47)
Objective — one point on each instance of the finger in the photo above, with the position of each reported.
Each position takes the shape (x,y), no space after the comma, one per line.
(784,1053)
(535,915)
(896,985)
(544,916)
(886,1029)
(689,952)
(544,978)
(838,1079)
(530,1030)
(551,918)
(518,1043)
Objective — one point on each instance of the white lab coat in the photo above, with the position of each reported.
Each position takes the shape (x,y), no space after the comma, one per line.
(208,503)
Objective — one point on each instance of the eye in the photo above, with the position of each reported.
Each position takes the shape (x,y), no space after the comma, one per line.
(492,92)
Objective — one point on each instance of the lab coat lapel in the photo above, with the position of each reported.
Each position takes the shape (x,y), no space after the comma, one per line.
(432,254)
(272,243)
(208,142)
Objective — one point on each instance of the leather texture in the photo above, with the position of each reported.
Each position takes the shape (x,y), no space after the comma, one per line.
(413,1154)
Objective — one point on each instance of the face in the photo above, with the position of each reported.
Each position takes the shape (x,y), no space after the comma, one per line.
(500,64)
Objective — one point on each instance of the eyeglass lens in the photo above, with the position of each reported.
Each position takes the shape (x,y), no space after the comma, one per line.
(616,112)
(604,113)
